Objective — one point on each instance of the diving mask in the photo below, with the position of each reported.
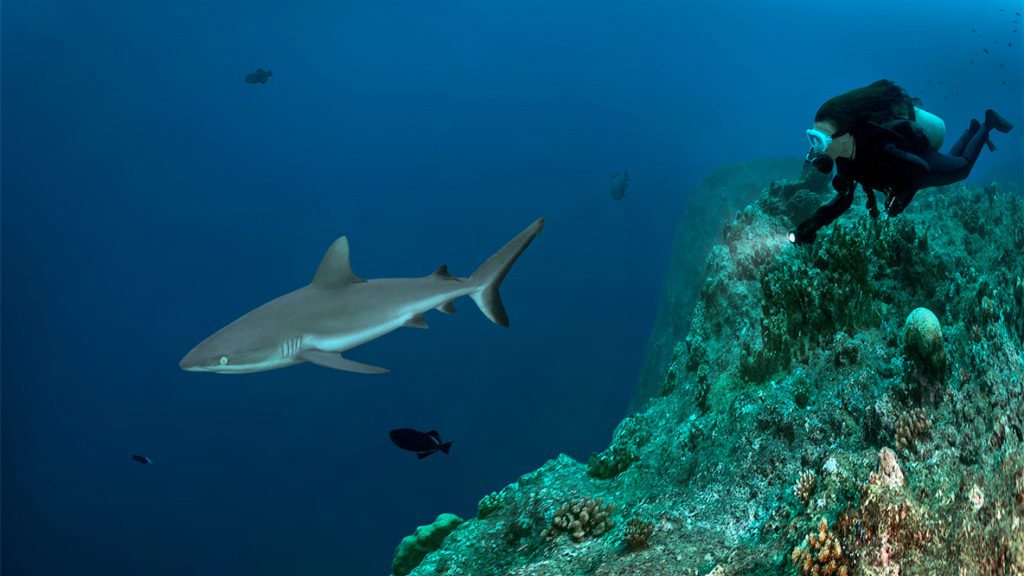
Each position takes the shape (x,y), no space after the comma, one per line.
(819,142)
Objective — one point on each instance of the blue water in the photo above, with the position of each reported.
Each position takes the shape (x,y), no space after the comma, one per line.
(150,197)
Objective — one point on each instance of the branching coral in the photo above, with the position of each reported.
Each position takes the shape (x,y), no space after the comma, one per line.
(804,487)
(580,519)
(913,426)
(493,501)
(821,554)
(637,534)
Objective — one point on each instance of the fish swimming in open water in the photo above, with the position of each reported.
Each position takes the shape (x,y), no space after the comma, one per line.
(338,311)
(619,185)
(422,443)
(260,76)
(141,459)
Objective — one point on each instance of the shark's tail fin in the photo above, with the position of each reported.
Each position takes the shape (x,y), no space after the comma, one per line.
(490,274)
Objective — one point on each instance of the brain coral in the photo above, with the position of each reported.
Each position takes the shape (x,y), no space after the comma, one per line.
(922,339)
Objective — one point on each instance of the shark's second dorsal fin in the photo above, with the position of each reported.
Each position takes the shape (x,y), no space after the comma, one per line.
(335,269)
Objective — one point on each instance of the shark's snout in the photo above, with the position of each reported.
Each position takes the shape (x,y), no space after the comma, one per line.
(190,362)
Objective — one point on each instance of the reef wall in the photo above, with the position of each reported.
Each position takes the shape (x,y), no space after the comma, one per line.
(713,202)
(813,420)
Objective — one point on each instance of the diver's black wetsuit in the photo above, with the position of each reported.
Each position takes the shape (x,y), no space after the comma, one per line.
(895,158)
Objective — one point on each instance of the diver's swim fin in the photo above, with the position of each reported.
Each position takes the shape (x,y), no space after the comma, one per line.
(996,122)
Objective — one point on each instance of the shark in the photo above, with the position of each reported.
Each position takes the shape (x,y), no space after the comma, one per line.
(339,311)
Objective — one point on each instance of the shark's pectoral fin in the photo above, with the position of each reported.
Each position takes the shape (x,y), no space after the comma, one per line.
(416,321)
(335,361)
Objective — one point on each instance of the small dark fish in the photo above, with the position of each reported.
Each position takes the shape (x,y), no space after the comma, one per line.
(973,30)
(1010,44)
(619,185)
(986,50)
(260,76)
(141,459)
(1002,10)
(1004,82)
(943,82)
(422,443)
(1000,64)
(972,61)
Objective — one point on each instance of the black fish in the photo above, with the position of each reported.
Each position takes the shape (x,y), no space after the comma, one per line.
(141,459)
(422,443)
(619,185)
(260,76)
(986,50)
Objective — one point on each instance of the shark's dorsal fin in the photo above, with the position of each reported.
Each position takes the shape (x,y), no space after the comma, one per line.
(442,272)
(335,269)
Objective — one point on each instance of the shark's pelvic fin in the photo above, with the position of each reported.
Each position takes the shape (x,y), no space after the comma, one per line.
(416,321)
(447,308)
(334,360)
(490,274)
(334,269)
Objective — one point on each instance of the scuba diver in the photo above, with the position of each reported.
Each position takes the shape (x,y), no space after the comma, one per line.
(877,137)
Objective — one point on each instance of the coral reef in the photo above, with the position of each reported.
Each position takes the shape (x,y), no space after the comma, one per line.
(821,554)
(586,517)
(713,202)
(912,427)
(413,548)
(637,534)
(806,362)
(922,337)
(804,487)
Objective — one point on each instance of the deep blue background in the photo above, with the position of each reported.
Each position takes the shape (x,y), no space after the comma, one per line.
(150,197)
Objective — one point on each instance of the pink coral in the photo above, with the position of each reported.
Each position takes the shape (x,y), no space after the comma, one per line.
(889,473)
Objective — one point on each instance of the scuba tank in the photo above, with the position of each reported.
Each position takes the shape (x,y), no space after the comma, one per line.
(933,126)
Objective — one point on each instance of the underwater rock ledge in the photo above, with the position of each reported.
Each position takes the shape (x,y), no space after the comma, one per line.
(797,431)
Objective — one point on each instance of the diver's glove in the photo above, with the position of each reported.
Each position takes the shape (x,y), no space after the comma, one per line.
(805,233)
(894,204)
(842,183)
(871,205)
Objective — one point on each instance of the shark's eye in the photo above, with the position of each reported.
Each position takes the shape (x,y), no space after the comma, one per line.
(223,360)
